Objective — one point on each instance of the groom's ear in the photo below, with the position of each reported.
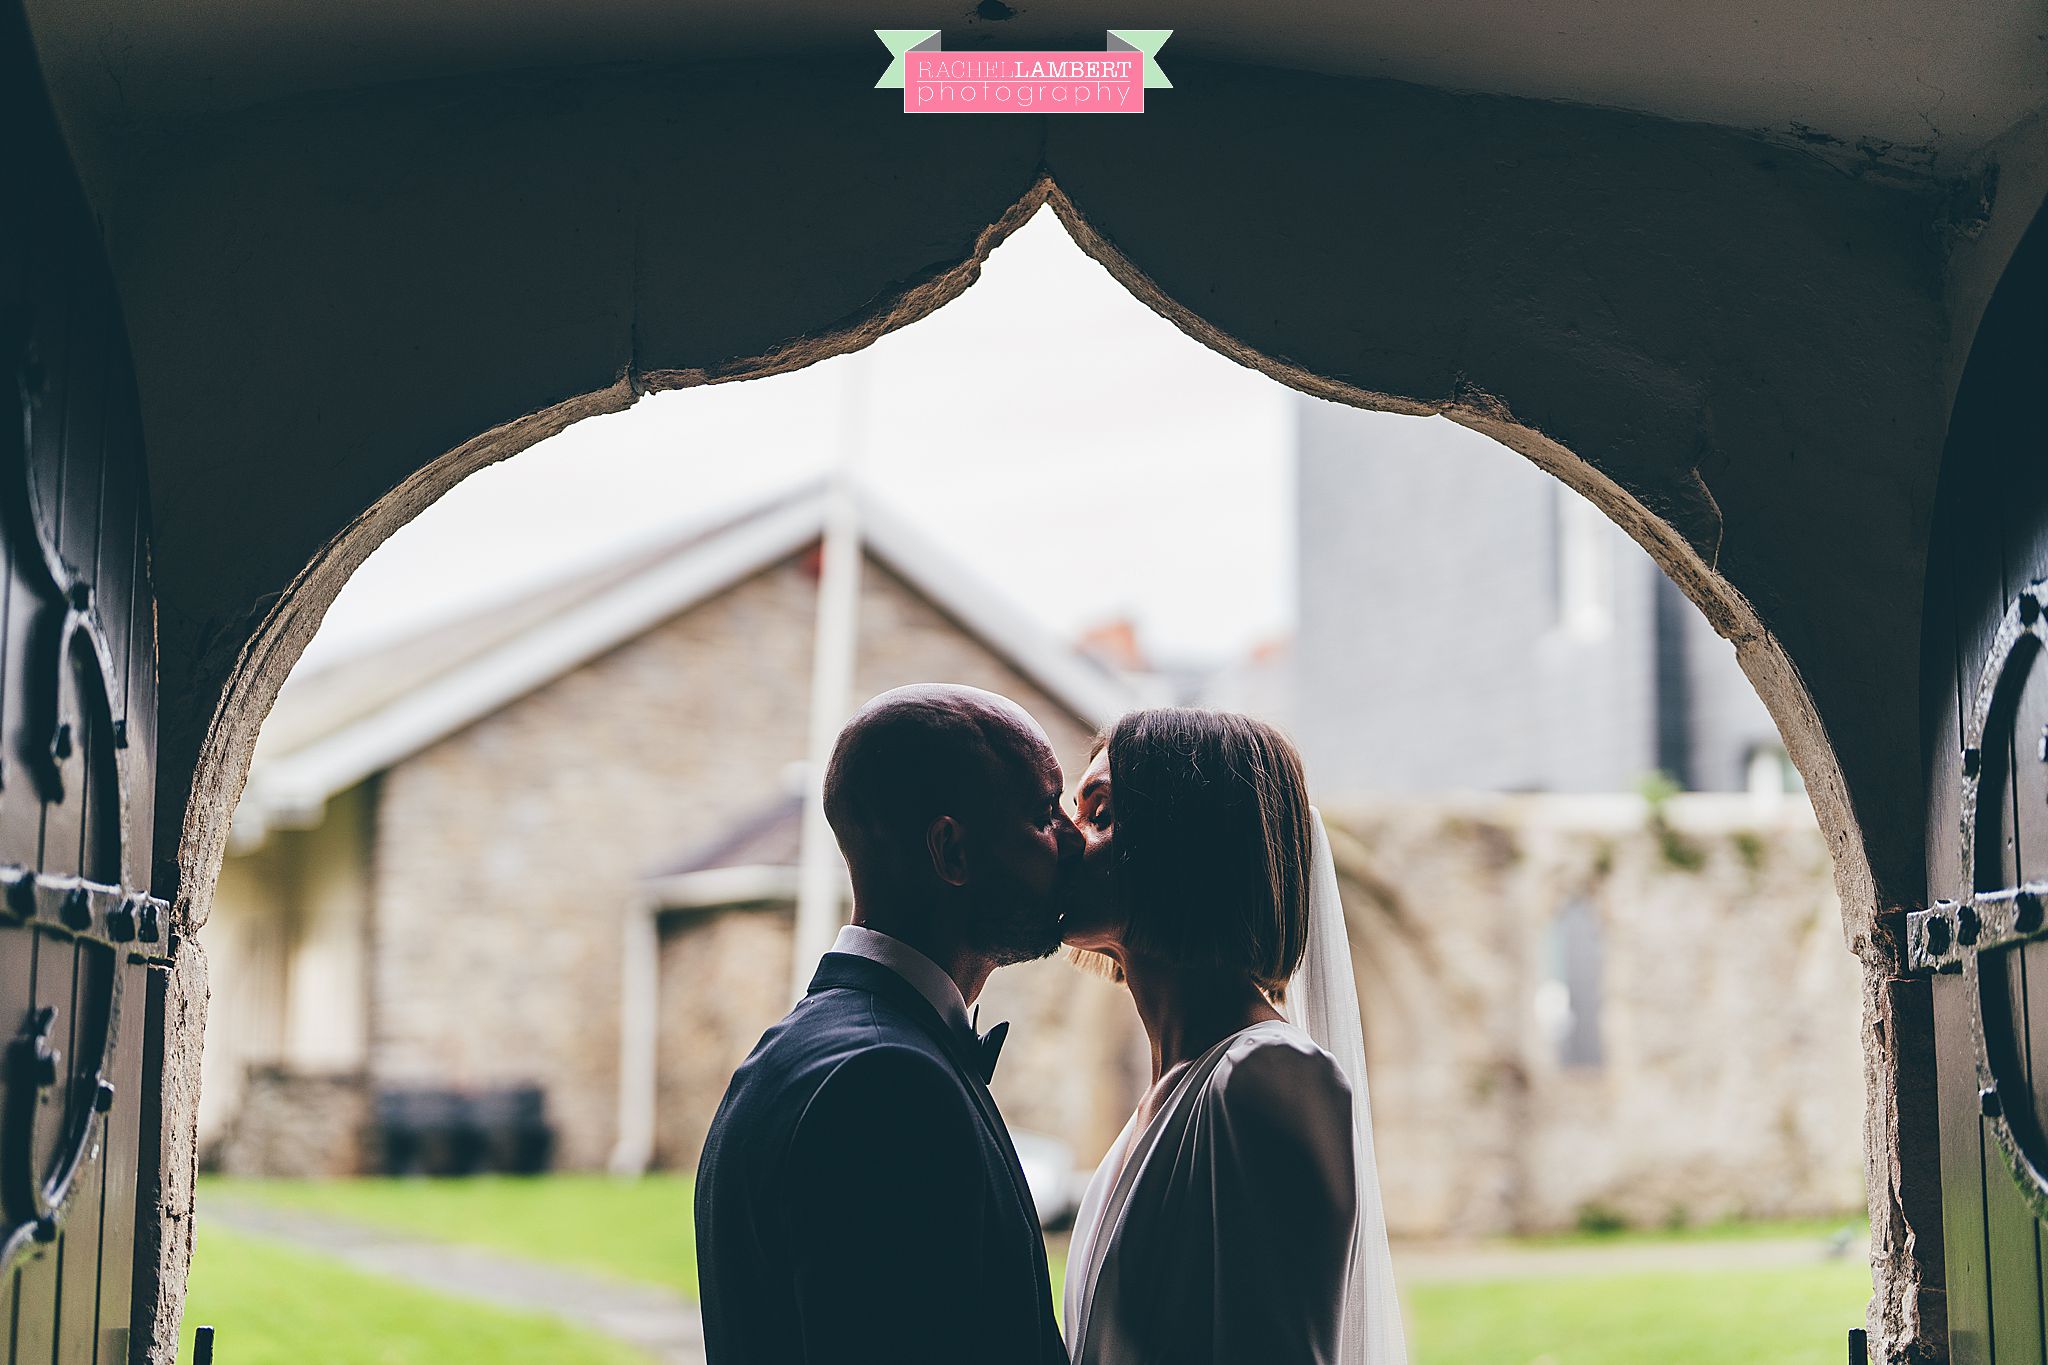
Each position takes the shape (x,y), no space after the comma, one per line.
(946,844)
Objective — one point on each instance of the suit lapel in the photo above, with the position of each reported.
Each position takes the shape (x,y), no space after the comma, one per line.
(1001,1131)
(848,971)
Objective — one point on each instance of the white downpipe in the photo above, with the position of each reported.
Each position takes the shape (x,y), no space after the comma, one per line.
(820,870)
(821,874)
(639,1008)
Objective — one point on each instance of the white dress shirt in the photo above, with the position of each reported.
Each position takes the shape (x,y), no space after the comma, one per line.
(929,979)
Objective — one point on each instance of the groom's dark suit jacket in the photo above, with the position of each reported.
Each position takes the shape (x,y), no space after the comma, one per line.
(859,1198)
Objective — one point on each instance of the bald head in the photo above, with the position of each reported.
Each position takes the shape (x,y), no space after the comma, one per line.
(946,803)
(917,753)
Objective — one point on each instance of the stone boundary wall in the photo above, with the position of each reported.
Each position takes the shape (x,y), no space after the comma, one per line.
(1729,1075)
(1729,1078)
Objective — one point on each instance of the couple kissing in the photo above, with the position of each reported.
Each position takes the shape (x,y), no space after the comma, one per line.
(859,1198)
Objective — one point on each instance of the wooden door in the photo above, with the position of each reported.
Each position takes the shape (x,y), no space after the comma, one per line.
(83,949)
(1986,682)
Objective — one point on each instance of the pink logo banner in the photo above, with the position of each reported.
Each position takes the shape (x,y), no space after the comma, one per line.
(1024,83)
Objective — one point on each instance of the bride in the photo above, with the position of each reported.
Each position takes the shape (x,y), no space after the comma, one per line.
(1237,1219)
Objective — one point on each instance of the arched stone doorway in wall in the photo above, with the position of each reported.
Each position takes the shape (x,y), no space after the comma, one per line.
(1754,329)
(320,580)
(1749,343)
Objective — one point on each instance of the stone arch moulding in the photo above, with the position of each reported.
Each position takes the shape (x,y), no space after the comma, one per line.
(1602,404)
(270,654)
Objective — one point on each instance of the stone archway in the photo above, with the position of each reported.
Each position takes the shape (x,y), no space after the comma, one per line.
(1742,351)
(262,664)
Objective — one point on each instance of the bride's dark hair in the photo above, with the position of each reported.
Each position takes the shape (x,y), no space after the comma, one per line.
(1210,840)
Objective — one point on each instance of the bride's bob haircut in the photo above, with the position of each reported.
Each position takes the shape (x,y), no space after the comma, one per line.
(1211,841)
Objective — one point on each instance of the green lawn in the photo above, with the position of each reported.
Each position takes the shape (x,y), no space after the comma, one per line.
(1734,1230)
(272,1306)
(641,1230)
(1791,1316)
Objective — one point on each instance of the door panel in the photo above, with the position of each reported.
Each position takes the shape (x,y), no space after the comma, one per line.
(1986,679)
(82,946)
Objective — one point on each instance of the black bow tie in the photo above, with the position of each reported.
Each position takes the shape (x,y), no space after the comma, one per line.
(984,1048)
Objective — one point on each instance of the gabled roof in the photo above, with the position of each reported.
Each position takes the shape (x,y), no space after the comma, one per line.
(332,729)
(771,835)
(753,861)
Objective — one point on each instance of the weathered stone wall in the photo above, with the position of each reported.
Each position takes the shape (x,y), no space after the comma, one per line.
(507,854)
(724,979)
(1731,1076)
(302,1124)
(1730,1081)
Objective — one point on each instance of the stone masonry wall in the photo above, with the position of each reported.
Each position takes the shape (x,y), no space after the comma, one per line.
(508,853)
(1730,1082)
(297,1124)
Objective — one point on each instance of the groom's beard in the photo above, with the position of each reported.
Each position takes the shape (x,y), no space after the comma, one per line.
(1019,933)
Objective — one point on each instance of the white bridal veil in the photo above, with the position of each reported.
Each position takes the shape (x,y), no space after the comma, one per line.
(1322,1001)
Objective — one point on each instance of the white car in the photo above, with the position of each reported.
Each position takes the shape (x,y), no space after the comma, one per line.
(1049,1169)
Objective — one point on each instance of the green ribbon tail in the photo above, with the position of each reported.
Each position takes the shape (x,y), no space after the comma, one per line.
(900,41)
(1148,41)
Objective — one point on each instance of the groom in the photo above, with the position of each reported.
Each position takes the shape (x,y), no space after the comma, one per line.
(859,1199)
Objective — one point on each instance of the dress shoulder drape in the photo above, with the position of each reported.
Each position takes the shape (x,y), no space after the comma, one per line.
(1220,1231)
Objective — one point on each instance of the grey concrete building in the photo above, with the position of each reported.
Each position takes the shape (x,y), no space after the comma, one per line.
(1469,623)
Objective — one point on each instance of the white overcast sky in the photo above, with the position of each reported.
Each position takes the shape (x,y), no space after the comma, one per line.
(1069,446)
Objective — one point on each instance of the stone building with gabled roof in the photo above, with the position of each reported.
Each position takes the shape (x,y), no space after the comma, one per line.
(450,847)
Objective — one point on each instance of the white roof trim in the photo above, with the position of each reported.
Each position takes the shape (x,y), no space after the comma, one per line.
(716,886)
(292,790)
(295,787)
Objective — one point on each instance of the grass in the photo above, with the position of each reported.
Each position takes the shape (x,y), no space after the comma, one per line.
(274,1306)
(1790,1316)
(642,1230)
(1733,1230)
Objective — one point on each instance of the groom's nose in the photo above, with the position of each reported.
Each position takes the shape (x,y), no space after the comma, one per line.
(1072,842)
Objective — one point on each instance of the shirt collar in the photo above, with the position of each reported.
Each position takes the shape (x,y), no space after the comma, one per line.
(926,976)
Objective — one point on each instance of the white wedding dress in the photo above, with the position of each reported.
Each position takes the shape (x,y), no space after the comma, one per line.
(1242,1225)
